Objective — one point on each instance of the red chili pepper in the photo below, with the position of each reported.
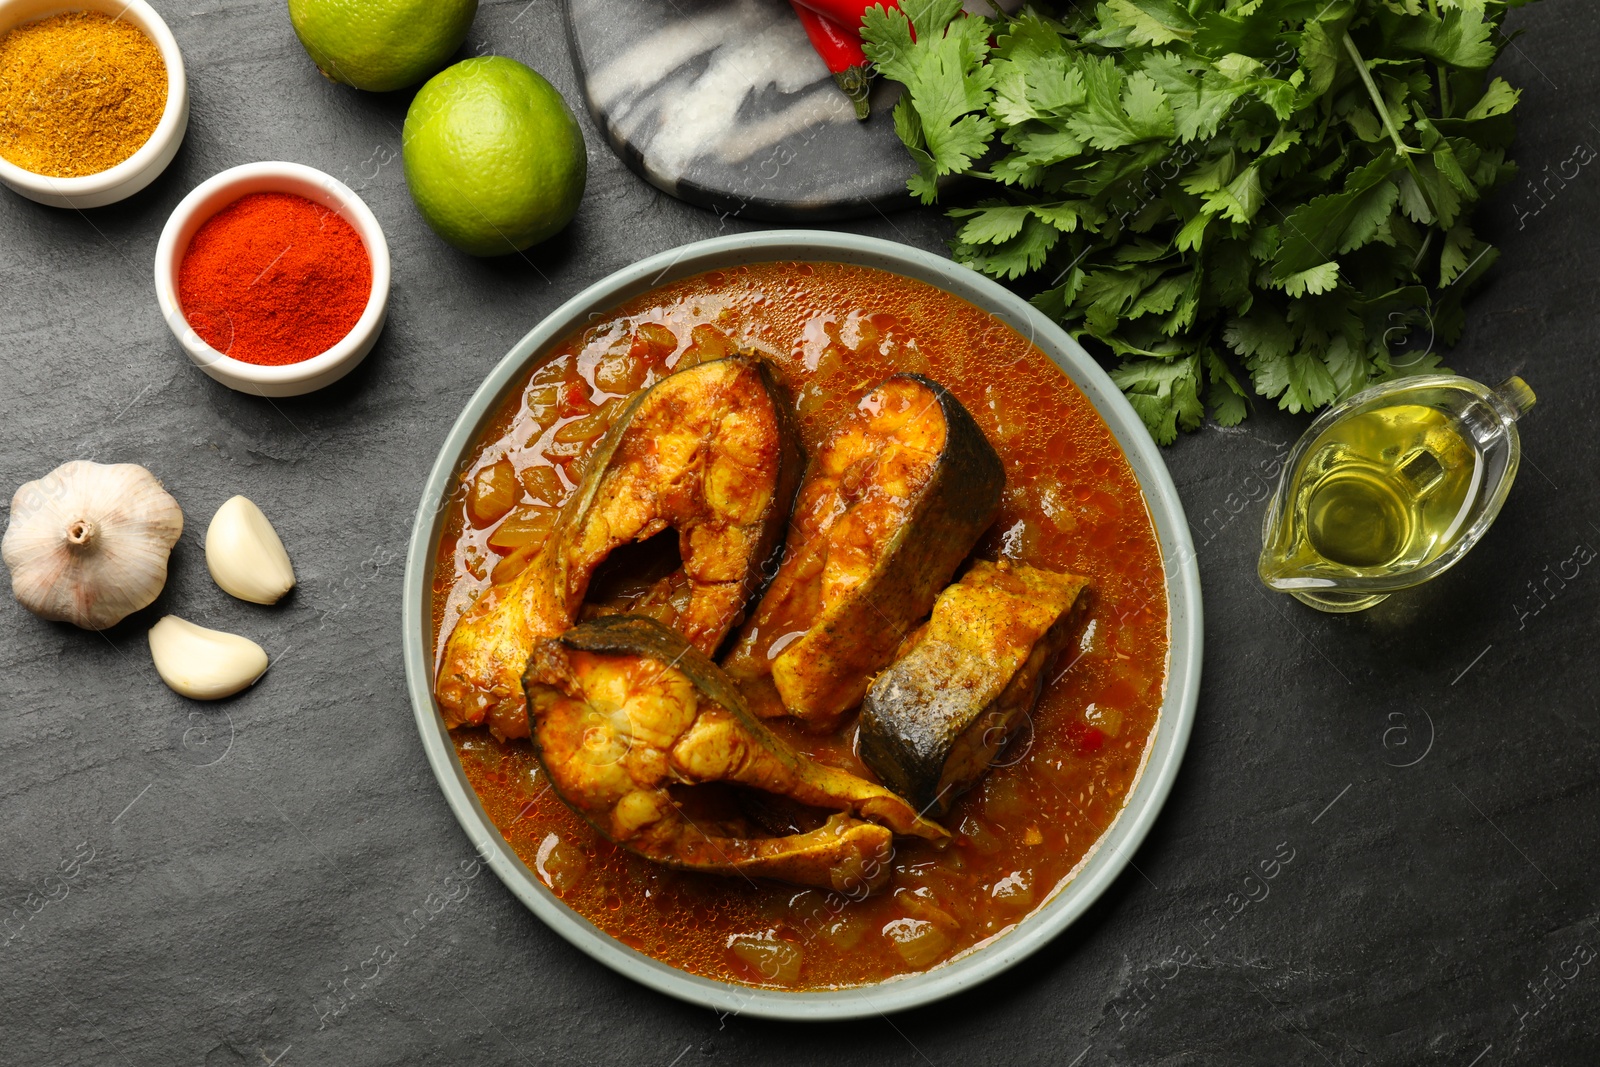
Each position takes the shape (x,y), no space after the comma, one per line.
(847,13)
(575,400)
(1085,738)
(840,49)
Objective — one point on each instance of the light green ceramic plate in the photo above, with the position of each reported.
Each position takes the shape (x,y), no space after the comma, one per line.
(1167,744)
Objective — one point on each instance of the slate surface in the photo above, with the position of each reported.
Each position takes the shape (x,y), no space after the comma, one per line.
(233,863)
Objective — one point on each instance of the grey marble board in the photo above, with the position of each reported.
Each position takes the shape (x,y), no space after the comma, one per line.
(723,103)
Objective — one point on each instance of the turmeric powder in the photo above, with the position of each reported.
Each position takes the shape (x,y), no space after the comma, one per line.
(79,93)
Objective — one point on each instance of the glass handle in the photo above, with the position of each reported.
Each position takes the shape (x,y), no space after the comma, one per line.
(1422,471)
(1515,398)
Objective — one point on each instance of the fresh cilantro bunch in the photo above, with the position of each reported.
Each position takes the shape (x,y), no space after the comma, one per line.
(1203,185)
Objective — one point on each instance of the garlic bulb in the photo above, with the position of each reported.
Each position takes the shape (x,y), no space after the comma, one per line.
(204,664)
(245,555)
(88,543)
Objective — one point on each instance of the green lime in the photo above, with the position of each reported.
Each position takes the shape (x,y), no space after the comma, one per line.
(494,157)
(381,44)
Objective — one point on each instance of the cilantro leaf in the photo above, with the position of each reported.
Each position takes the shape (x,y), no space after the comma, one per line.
(1457,37)
(1261,335)
(949,87)
(1318,279)
(1497,99)
(1153,21)
(1013,256)
(1226,397)
(990,222)
(1120,109)
(1336,223)
(1166,395)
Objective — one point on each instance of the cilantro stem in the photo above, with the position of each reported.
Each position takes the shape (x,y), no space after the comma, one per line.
(1377,98)
(1400,145)
(1444,83)
(1416,262)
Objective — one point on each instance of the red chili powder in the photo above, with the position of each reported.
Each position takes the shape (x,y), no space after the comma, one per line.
(274,278)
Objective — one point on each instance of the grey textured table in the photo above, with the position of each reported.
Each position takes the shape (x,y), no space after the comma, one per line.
(1431,766)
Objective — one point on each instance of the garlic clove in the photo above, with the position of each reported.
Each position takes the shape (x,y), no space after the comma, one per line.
(204,664)
(88,543)
(245,555)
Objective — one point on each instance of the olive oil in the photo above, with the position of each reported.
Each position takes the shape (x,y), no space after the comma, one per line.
(1387,488)
(1391,487)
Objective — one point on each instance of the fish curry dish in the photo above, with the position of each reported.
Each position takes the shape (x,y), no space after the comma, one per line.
(800,625)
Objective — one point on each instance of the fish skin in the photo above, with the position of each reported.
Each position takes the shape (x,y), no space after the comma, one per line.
(821,677)
(933,721)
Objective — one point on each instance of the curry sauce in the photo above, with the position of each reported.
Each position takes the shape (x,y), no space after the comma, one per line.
(1071,504)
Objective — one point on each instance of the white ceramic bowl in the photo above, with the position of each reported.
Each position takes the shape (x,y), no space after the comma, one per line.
(216,193)
(145,165)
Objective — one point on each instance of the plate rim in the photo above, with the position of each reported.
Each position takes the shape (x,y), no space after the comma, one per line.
(1099,868)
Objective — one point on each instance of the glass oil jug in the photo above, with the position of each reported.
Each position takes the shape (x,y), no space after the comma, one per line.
(1390,488)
